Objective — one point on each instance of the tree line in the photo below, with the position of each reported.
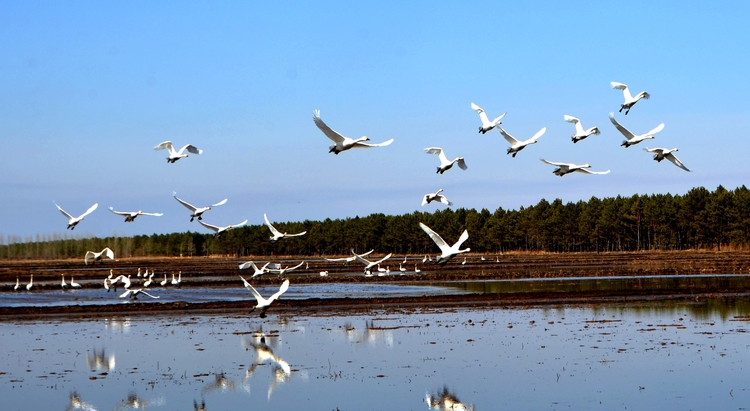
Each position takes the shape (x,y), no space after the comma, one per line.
(699,219)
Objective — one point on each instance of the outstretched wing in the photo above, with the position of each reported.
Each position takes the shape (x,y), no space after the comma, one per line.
(654,150)
(625,132)
(424,199)
(185,203)
(537,135)
(237,225)
(658,128)
(435,237)
(166,144)
(384,258)
(462,239)
(282,290)
(68,216)
(295,267)
(676,161)
(89,254)
(152,296)
(482,114)
(210,226)
(247,265)
(556,164)
(587,171)
(443,199)
(439,151)
(273,229)
(191,149)
(333,135)
(510,139)
(108,253)
(462,163)
(153,214)
(90,210)
(368,145)
(252,290)
(222,202)
(122,213)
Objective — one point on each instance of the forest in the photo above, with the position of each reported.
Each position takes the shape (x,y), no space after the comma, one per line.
(699,219)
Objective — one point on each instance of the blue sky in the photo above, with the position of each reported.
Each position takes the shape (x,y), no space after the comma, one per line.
(89,88)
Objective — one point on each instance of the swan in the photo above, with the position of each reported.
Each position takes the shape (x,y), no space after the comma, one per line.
(91,255)
(31,283)
(282,271)
(370,264)
(139,273)
(401,268)
(176,155)
(464,262)
(164,282)
(150,280)
(324,273)
(76,403)
(380,269)
(567,168)
(343,143)
(73,221)
(64,285)
(135,292)
(445,164)
(515,144)
(404,259)
(276,234)
(18,285)
(263,303)
(74,284)
(662,153)
(130,216)
(629,100)
(580,132)
(447,251)
(197,211)
(218,231)
(487,125)
(417,270)
(107,284)
(424,260)
(348,260)
(124,280)
(436,196)
(177,282)
(256,271)
(632,139)
(222,383)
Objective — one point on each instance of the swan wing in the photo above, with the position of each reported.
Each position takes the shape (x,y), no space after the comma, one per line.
(210,226)
(462,239)
(498,118)
(654,150)
(126,293)
(369,145)
(246,265)
(435,150)
(336,260)
(624,88)
(122,213)
(435,237)
(68,216)
(222,202)
(253,291)
(383,259)
(461,163)
(295,267)
(282,290)
(191,149)
(625,132)
(510,139)
(587,171)
(658,128)
(108,253)
(576,122)
(676,161)
(152,296)
(443,199)
(361,259)
(367,253)
(165,145)
(90,210)
(273,229)
(89,254)
(236,225)
(296,235)
(333,135)
(153,214)
(425,198)
(185,203)
(536,136)
(482,114)
(556,164)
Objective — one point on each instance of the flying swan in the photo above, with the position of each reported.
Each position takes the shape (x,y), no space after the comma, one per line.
(517,145)
(487,125)
(130,216)
(218,231)
(347,260)
(629,100)
(448,251)
(662,153)
(445,164)
(369,264)
(263,303)
(436,196)
(197,211)
(632,139)
(580,132)
(343,143)
(276,234)
(567,168)
(176,155)
(91,255)
(73,221)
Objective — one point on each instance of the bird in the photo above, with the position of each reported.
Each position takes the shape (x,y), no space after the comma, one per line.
(264,303)
(197,211)
(448,251)
(343,143)
(107,284)
(135,292)
(276,234)
(567,168)
(436,196)
(73,221)
(487,125)
(417,270)
(445,164)
(124,280)
(176,155)
(580,132)
(177,282)
(31,283)
(348,260)
(401,268)
(464,262)
(139,272)
(149,281)
(218,231)
(369,264)
(517,145)
(164,282)
(632,139)
(74,284)
(256,271)
(662,153)
(130,216)
(324,273)
(92,255)
(281,272)
(18,285)
(64,285)
(629,100)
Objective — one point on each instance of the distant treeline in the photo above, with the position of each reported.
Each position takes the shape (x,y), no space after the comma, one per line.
(698,219)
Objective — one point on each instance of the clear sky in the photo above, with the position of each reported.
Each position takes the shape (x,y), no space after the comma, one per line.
(87,89)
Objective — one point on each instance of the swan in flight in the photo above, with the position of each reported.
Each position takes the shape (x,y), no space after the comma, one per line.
(445,164)
(567,168)
(256,271)
(176,155)
(629,100)
(662,153)
(632,139)
(343,143)
(130,216)
(74,284)
(487,125)
(197,211)
(517,145)
(369,264)
(436,196)
(218,231)
(135,292)
(263,303)
(580,132)
(124,280)
(73,221)
(348,260)
(282,271)
(91,255)
(447,251)
(276,234)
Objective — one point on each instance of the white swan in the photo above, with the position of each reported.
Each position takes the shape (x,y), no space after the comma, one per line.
(73,283)
(445,164)
(632,139)
(517,145)
(324,273)
(73,221)
(464,261)
(348,260)
(18,284)
(567,168)
(135,292)
(91,255)
(448,251)
(580,132)
(124,280)
(264,303)
(436,196)
(177,282)
(417,270)
(276,234)
(256,271)
(629,100)
(281,272)
(662,153)
(30,284)
(164,282)
(197,211)
(487,125)
(64,285)
(218,231)
(130,216)
(149,281)
(369,264)
(343,143)
(176,155)
(401,268)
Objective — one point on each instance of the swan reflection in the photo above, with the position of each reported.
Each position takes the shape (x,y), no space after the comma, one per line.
(444,400)
(76,403)
(197,407)
(222,384)
(137,403)
(117,325)
(100,361)
(280,369)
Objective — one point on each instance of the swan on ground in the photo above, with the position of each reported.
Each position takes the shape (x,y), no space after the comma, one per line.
(92,255)
(176,155)
(74,284)
(324,273)
(135,292)
(31,283)
(567,168)
(348,260)
(197,211)
(138,274)
(662,153)
(64,285)
(343,143)
(448,251)
(517,145)
(107,284)
(257,272)
(629,100)
(580,132)
(445,164)
(130,216)
(401,268)
(18,284)
(73,221)
(369,264)
(632,139)
(417,270)
(276,234)
(436,196)
(264,303)
(124,280)
(150,280)
(177,282)
(487,125)
(281,272)
(218,231)
(381,269)
(464,262)
(164,282)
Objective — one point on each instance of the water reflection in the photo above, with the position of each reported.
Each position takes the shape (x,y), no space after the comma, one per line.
(137,403)
(100,361)
(222,384)
(76,403)
(444,400)
(280,369)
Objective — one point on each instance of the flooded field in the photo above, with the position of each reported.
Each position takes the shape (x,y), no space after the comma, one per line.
(620,356)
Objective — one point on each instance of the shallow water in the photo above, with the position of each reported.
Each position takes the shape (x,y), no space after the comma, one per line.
(652,356)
